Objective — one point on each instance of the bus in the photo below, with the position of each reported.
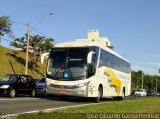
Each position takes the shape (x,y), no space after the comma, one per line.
(87,68)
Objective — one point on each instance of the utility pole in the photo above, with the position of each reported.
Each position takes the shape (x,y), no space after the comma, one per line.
(142,80)
(156,81)
(27,47)
(156,84)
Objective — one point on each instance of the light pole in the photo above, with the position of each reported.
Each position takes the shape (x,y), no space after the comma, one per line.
(50,14)
(156,81)
(28,36)
(156,84)
(142,80)
(27,48)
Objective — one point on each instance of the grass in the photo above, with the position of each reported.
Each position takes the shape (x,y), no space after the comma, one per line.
(138,106)
(12,61)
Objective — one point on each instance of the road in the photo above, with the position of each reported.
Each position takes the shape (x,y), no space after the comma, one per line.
(23,104)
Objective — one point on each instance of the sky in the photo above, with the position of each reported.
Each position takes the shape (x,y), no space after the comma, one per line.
(133,26)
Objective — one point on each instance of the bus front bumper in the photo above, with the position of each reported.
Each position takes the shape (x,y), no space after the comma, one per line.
(80,92)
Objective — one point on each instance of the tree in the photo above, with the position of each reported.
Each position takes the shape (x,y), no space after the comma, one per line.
(5,26)
(149,82)
(37,46)
(136,79)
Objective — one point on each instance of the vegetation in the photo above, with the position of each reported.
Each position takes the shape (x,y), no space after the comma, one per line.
(13,61)
(37,46)
(148,105)
(149,82)
(5,26)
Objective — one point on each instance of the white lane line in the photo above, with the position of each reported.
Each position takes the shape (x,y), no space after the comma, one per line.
(52,109)
(49,110)
(12,99)
(25,98)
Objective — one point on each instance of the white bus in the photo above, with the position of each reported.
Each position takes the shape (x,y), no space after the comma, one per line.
(87,68)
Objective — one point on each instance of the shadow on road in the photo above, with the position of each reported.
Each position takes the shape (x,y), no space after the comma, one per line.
(71,98)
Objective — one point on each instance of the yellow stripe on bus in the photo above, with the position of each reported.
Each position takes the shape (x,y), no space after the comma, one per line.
(115,81)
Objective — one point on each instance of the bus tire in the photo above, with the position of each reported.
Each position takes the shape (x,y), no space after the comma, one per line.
(122,96)
(98,98)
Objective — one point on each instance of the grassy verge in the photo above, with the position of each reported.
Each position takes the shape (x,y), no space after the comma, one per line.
(13,62)
(116,108)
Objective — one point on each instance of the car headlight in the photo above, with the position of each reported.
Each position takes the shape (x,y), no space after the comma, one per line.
(4,86)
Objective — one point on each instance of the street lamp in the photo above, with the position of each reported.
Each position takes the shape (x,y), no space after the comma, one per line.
(27,48)
(156,81)
(28,34)
(50,14)
(142,80)
(156,84)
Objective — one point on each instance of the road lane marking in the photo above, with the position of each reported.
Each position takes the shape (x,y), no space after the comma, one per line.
(27,98)
(12,99)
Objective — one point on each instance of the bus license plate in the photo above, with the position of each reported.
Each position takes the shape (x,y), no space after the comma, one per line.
(62,92)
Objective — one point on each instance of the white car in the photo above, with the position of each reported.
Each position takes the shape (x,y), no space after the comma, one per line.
(41,86)
(140,92)
(158,93)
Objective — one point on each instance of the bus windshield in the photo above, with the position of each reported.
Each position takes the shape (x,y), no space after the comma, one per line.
(67,63)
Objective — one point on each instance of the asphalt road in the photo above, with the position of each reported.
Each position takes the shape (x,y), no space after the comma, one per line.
(23,104)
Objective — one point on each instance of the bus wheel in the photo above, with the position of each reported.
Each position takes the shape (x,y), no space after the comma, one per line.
(122,96)
(98,98)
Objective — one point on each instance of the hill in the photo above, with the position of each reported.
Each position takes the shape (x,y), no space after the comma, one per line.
(12,61)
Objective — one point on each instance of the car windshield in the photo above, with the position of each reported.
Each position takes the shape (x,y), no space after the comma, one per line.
(151,91)
(140,90)
(8,78)
(67,63)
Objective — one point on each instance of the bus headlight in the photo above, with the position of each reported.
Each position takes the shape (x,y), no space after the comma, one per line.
(81,85)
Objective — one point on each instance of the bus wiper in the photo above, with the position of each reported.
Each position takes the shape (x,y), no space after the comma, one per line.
(80,76)
(62,67)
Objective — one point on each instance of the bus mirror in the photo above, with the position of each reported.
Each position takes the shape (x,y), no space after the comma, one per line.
(89,57)
(43,56)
